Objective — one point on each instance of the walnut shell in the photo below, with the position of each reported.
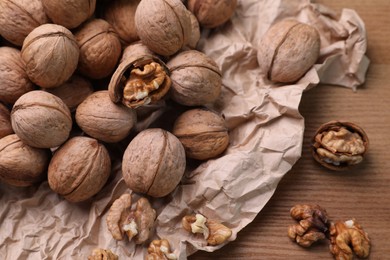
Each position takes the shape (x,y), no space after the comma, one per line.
(212,13)
(288,50)
(41,119)
(73,91)
(5,121)
(20,164)
(154,162)
(19,17)
(51,55)
(121,15)
(14,81)
(195,32)
(70,13)
(164,26)
(100,49)
(79,169)
(100,118)
(196,78)
(202,132)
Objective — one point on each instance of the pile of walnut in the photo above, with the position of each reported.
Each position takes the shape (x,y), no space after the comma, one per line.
(346,238)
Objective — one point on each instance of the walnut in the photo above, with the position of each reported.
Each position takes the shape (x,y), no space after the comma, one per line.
(14,81)
(160,250)
(41,119)
(79,169)
(136,223)
(70,13)
(21,164)
(102,119)
(202,132)
(102,254)
(211,14)
(19,17)
(312,226)
(100,49)
(73,91)
(5,121)
(51,55)
(214,232)
(196,78)
(140,79)
(347,238)
(288,50)
(171,25)
(154,162)
(337,145)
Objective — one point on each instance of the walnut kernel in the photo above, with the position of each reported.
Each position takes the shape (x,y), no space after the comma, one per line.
(102,254)
(160,250)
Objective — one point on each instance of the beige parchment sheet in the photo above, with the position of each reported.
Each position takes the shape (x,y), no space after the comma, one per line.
(266,133)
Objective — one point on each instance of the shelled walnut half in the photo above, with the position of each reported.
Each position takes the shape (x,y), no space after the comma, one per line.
(160,250)
(102,254)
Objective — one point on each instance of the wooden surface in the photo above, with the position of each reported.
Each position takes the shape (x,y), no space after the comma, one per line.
(363,193)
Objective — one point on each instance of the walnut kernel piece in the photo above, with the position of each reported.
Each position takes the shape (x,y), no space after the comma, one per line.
(160,250)
(347,238)
(338,145)
(102,254)
(312,226)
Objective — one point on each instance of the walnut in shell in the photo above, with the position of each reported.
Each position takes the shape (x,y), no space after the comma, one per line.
(79,169)
(196,78)
(20,164)
(164,26)
(154,162)
(41,119)
(100,118)
(5,121)
(288,50)
(212,13)
(100,49)
(19,17)
(14,81)
(70,13)
(202,132)
(51,55)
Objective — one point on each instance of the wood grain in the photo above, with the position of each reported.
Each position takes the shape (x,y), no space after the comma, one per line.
(362,193)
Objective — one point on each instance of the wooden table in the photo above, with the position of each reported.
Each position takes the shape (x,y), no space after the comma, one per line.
(362,193)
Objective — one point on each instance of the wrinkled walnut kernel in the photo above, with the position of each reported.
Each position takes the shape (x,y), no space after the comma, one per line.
(160,250)
(102,254)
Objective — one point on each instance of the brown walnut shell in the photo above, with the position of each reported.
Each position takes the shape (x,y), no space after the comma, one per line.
(348,142)
(51,55)
(20,164)
(14,81)
(154,162)
(41,119)
(202,132)
(79,169)
(5,121)
(70,13)
(100,118)
(196,78)
(288,50)
(19,17)
(163,25)
(195,32)
(100,49)
(212,13)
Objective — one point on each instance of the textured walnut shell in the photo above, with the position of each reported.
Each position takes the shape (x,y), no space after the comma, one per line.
(100,118)
(79,169)
(212,13)
(100,49)
(5,121)
(70,13)
(195,32)
(20,164)
(288,50)
(154,162)
(73,91)
(51,55)
(41,119)
(202,132)
(14,81)
(120,14)
(19,17)
(196,78)
(335,125)
(163,25)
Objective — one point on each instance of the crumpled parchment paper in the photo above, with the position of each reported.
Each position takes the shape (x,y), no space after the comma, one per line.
(266,133)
